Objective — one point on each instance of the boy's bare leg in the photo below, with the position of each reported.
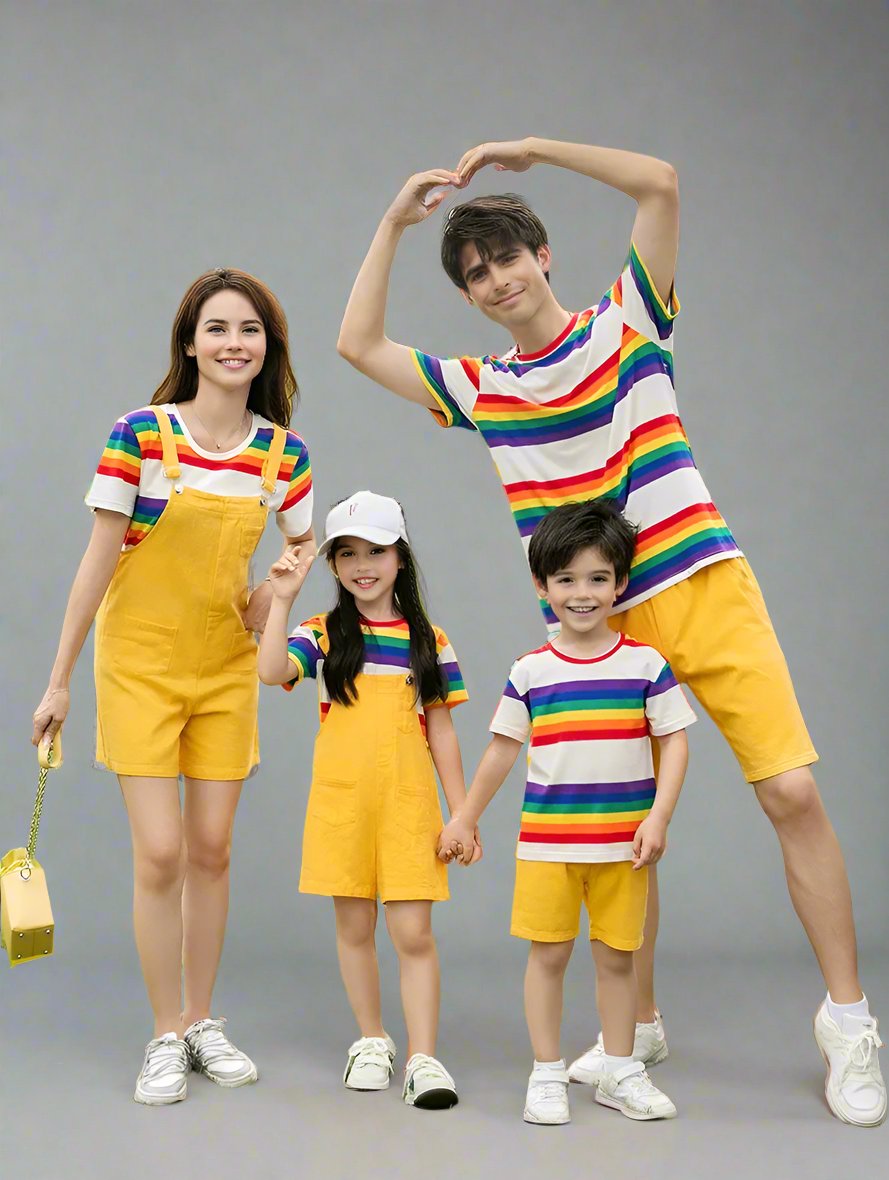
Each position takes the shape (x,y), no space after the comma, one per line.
(816,876)
(643,959)
(544,988)
(356,920)
(615,998)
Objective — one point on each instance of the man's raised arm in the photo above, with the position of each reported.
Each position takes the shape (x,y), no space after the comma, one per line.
(650,182)
(362,339)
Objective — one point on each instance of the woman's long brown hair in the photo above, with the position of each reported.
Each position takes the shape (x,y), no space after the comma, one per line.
(273,392)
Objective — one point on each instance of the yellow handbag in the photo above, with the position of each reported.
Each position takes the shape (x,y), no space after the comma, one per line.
(26,923)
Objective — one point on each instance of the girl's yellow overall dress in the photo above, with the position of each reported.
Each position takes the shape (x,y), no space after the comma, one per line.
(176,681)
(373,817)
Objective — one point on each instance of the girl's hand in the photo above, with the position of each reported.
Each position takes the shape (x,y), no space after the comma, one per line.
(456,842)
(49,714)
(288,573)
(512,156)
(650,842)
(417,200)
(477,850)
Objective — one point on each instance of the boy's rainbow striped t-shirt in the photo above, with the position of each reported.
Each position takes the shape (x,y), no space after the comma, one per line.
(386,653)
(594,414)
(590,773)
(130,477)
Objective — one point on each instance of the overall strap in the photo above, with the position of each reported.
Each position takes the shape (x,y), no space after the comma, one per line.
(172,469)
(273,459)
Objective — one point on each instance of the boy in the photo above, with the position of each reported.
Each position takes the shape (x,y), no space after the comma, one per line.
(592,820)
(583,406)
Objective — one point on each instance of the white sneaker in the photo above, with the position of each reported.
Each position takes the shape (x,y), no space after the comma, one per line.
(213,1055)
(854,1086)
(649,1047)
(428,1084)
(370,1063)
(164,1075)
(631,1091)
(546,1102)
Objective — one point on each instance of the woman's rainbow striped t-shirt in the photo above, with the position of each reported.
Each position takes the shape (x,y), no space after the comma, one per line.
(594,414)
(130,476)
(590,773)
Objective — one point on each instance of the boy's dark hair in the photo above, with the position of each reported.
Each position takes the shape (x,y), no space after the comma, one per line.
(491,224)
(594,524)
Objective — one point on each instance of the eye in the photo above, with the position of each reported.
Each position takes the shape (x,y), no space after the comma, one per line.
(253,330)
(215,328)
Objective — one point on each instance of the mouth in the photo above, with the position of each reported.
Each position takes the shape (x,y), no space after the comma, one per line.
(582,610)
(238,362)
(508,299)
(365,583)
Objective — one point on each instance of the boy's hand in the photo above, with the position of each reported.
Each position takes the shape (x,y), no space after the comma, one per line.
(457,842)
(650,842)
(417,199)
(288,573)
(511,156)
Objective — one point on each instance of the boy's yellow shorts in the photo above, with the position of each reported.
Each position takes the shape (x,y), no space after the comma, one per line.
(717,635)
(548,895)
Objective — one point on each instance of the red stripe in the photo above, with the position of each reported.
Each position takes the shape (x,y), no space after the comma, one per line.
(608,838)
(583,735)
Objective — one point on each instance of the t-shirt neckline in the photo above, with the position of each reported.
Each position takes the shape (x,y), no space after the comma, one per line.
(548,348)
(205,454)
(589,659)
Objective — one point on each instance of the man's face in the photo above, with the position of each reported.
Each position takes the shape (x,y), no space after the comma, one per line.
(511,286)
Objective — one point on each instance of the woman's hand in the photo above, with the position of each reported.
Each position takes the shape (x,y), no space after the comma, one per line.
(289,572)
(49,715)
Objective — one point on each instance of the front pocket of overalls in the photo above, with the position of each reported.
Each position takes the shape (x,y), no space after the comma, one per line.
(251,531)
(242,654)
(333,801)
(138,645)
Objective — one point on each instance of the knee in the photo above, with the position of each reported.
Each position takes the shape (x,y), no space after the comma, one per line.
(160,867)
(210,857)
(790,797)
(612,962)
(552,957)
(413,941)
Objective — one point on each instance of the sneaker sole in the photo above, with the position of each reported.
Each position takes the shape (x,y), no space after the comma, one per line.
(435,1100)
(224,1082)
(638,1116)
(535,1122)
(155,1100)
(834,1110)
(366,1089)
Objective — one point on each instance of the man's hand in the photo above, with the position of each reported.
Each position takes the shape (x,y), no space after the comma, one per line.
(418,199)
(511,156)
(650,842)
(288,573)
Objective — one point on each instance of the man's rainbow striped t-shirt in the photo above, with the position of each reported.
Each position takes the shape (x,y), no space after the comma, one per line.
(590,773)
(594,414)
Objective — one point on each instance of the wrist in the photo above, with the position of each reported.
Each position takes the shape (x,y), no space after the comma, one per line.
(392,224)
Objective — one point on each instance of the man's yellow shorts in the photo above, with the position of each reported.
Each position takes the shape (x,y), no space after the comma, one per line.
(548,895)
(717,635)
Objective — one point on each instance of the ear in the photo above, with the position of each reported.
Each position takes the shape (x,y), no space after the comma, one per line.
(541,589)
(467,297)
(545,258)
(189,349)
(620,587)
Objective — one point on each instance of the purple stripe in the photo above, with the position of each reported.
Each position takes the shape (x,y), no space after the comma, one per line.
(569,789)
(599,686)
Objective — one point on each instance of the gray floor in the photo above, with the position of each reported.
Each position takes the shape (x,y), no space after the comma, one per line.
(743,1071)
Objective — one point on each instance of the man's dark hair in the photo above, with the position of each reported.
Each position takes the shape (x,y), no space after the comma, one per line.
(594,524)
(492,224)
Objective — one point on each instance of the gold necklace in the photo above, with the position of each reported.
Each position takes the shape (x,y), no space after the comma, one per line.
(211,436)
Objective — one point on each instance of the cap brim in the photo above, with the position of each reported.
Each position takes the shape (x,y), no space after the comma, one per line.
(366,533)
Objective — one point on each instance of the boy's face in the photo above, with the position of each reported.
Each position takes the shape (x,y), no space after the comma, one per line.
(583,593)
(511,286)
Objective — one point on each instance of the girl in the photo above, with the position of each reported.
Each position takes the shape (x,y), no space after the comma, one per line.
(373,816)
(180,500)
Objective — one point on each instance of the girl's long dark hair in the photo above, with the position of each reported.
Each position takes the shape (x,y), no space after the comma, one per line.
(345,659)
(273,391)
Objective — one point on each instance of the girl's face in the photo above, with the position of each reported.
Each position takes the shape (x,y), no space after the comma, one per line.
(229,341)
(368,571)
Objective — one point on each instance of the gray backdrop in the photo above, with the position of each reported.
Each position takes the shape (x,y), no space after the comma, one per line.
(145,142)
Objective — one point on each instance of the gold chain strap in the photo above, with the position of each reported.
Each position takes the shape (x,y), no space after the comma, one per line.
(38,810)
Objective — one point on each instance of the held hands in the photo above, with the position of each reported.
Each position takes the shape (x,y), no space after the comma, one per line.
(459,842)
(650,842)
(289,572)
(49,715)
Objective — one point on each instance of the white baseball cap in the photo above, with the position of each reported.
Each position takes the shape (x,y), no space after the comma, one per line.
(374,518)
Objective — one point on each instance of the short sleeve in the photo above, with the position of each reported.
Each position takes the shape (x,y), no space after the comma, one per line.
(643,308)
(294,517)
(447,661)
(513,715)
(453,383)
(666,708)
(306,648)
(116,483)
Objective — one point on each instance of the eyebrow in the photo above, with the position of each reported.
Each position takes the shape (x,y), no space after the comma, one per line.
(225,322)
(572,574)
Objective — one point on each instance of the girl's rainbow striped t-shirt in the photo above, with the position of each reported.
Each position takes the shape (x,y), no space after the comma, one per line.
(386,653)
(591,778)
(594,414)
(130,477)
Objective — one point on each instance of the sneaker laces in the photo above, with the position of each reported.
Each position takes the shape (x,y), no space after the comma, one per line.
(549,1091)
(371,1051)
(164,1056)
(425,1068)
(862,1055)
(207,1039)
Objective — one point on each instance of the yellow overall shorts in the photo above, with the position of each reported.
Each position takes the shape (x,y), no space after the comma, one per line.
(373,817)
(176,682)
